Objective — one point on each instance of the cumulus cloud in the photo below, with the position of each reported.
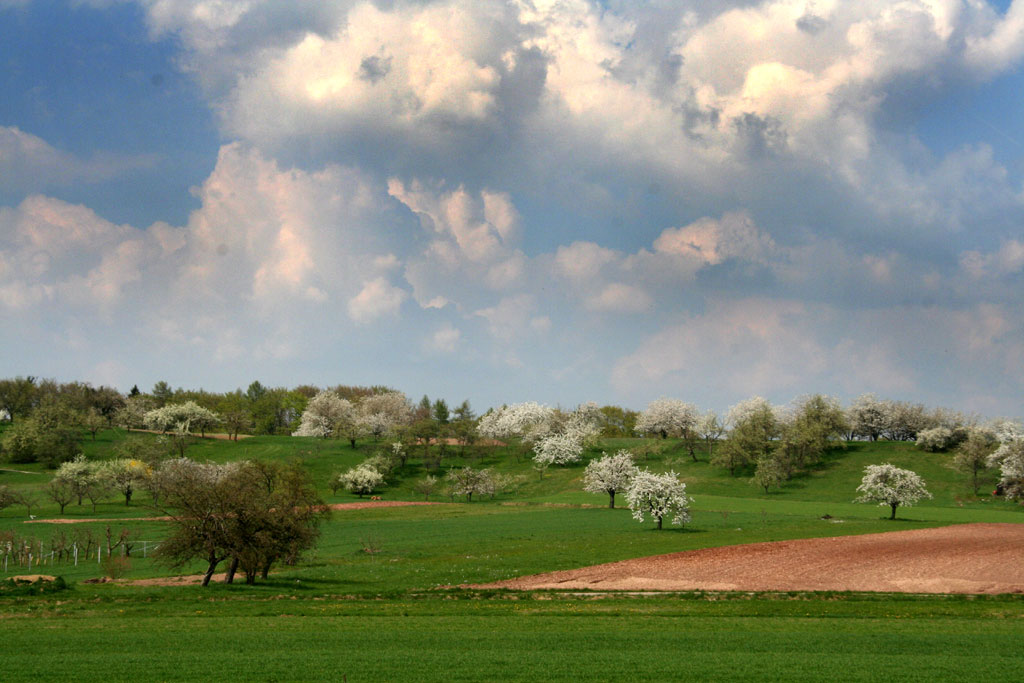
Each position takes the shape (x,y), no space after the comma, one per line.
(377,298)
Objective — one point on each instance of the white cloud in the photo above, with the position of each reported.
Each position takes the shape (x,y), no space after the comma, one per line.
(445,339)
(514,317)
(620,298)
(1008,259)
(377,298)
(713,241)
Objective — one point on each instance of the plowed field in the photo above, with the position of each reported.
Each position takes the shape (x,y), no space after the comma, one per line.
(968,558)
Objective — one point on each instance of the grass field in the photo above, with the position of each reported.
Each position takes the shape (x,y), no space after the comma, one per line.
(382,615)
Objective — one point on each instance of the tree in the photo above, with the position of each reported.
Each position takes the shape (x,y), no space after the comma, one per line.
(754,428)
(80,475)
(124,475)
(381,413)
(1009,458)
(559,449)
(667,417)
(610,474)
(251,513)
(325,415)
(972,455)
(867,417)
(891,486)
(132,415)
(771,471)
(527,421)
(17,396)
(93,422)
(60,491)
(361,480)
(466,481)
(186,418)
(660,496)
(710,428)
(427,486)
(812,425)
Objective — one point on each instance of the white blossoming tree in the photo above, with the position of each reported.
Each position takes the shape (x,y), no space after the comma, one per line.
(182,418)
(891,486)
(558,449)
(660,496)
(1009,457)
(667,417)
(527,421)
(361,480)
(380,414)
(610,474)
(326,414)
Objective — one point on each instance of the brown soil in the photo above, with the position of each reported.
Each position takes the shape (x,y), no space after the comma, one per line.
(968,558)
(80,520)
(32,578)
(362,505)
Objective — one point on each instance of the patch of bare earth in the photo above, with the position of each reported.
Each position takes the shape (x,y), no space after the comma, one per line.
(967,558)
(83,520)
(362,505)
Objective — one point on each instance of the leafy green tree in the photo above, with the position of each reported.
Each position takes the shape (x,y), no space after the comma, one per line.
(17,397)
(754,428)
(972,455)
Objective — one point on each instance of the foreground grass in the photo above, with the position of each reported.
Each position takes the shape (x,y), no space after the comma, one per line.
(469,637)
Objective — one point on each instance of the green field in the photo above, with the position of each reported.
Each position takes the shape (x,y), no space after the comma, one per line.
(388,614)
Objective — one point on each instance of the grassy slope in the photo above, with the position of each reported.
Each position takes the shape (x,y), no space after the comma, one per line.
(253,632)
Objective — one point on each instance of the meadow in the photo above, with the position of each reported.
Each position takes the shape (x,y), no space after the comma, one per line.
(379,598)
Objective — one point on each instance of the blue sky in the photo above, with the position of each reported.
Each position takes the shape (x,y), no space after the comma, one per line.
(507,201)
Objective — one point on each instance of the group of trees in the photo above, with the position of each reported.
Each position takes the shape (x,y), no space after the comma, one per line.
(647,493)
(251,514)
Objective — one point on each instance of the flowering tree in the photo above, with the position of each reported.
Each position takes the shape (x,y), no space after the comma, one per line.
(558,449)
(667,417)
(467,481)
(326,414)
(80,476)
(527,421)
(362,480)
(890,485)
(124,475)
(660,495)
(1009,457)
(868,417)
(380,414)
(711,429)
(610,474)
(185,418)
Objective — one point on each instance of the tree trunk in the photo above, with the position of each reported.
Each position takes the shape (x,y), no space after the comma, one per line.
(214,561)
(659,522)
(893,506)
(265,572)
(611,500)
(230,578)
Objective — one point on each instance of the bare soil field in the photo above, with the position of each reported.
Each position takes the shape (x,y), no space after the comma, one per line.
(967,558)
(362,505)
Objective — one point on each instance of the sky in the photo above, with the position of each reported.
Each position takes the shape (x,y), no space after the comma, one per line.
(559,201)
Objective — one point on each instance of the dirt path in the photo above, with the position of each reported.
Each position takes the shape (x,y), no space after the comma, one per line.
(967,558)
(358,505)
(362,505)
